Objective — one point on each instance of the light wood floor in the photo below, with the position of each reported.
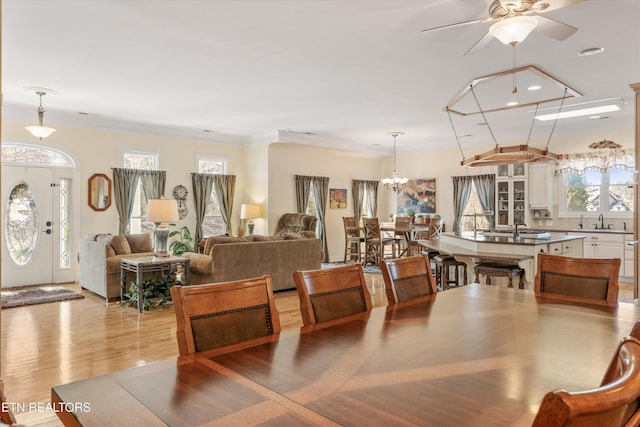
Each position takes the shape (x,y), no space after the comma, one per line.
(51,344)
(57,343)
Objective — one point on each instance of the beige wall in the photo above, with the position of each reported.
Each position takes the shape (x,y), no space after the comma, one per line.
(287,160)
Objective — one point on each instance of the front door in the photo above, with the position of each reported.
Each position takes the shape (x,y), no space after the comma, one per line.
(31,228)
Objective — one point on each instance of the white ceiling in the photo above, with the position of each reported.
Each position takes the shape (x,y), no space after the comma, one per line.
(347,71)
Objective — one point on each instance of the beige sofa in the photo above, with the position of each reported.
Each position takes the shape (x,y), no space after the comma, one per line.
(227,258)
(100,256)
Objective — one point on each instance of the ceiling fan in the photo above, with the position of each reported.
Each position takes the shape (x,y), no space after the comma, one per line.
(513,20)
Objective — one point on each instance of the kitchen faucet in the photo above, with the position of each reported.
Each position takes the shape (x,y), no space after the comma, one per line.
(601,219)
(580,223)
(516,234)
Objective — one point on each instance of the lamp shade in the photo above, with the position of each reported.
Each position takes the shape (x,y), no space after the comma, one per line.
(248,211)
(513,30)
(162,210)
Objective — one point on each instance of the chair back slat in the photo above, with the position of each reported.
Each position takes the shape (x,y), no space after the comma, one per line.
(593,280)
(220,314)
(407,278)
(331,293)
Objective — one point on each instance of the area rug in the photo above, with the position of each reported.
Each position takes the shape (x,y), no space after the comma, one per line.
(371,269)
(31,295)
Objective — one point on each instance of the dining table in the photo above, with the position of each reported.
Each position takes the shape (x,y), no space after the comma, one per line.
(475,356)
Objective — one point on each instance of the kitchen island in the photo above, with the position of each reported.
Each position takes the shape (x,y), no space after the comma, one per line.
(523,251)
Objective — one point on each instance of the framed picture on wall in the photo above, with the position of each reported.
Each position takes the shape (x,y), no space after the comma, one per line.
(419,195)
(337,198)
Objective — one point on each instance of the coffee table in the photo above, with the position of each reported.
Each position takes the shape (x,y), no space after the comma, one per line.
(146,264)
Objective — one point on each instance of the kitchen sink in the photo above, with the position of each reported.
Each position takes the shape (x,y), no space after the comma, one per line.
(531,234)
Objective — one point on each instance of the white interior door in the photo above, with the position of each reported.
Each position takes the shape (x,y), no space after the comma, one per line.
(28,226)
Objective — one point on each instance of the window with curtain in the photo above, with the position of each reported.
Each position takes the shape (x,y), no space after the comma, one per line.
(212,223)
(143,161)
(473,194)
(598,182)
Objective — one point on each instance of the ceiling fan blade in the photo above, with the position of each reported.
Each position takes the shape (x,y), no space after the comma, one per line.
(479,44)
(557,4)
(554,29)
(459,24)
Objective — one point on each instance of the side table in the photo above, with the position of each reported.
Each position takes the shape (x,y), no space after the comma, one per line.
(145,264)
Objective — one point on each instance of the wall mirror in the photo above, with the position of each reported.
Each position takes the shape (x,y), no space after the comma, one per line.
(99,192)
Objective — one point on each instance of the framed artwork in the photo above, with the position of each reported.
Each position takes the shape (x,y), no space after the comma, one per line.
(419,195)
(337,198)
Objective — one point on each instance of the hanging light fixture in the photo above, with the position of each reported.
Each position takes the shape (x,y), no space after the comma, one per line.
(40,131)
(514,30)
(394,183)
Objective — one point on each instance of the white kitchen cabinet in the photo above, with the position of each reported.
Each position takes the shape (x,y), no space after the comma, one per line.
(511,195)
(541,186)
(628,256)
(574,248)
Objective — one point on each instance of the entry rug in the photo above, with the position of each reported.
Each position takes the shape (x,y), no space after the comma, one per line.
(31,295)
(371,269)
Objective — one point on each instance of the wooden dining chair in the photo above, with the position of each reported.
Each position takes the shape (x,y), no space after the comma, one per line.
(220,314)
(399,237)
(331,293)
(352,239)
(374,242)
(407,278)
(614,403)
(593,280)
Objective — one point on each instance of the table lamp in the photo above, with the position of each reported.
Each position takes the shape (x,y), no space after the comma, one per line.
(160,211)
(248,212)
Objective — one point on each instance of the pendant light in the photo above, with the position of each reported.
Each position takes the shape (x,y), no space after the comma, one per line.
(40,131)
(394,183)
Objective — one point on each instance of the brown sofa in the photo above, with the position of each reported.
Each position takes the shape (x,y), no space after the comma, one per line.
(227,258)
(100,256)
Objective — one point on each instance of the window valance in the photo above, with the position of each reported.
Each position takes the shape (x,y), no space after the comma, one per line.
(602,161)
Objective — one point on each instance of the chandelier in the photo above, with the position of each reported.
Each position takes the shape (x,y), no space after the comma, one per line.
(394,183)
(40,131)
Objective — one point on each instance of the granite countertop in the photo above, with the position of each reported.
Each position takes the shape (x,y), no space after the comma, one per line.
(553,237)
(594,230)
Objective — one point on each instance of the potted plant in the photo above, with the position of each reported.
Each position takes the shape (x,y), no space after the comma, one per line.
(157,292)
(420,219)
(412,214)
(184,243)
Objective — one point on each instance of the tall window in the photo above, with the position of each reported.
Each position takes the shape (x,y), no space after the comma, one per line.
(473,207)
(213,225)
(597,192)
(145,161)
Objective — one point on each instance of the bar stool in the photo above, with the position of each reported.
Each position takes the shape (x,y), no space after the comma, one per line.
(499,270)
(444,265)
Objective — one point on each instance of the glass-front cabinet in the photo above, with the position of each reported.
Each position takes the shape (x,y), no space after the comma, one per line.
(511,195)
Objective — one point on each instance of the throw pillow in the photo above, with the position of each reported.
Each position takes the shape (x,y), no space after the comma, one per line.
(120,245)
(139,242)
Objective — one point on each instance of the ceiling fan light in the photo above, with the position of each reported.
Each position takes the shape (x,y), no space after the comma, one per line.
(40,131)
(513,30)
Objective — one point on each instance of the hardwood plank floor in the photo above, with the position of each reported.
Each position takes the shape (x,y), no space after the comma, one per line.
(50,344)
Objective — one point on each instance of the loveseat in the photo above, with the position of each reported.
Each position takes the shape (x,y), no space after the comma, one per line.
(100,256)
(295,223)
(227,258)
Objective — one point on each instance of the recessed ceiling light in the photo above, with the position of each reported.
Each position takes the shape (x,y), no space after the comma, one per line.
(591,51)
(593,108)
(512,103)
(534,87)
